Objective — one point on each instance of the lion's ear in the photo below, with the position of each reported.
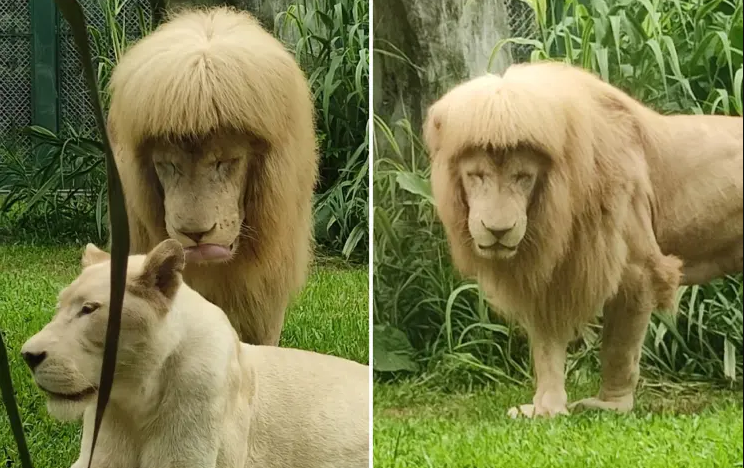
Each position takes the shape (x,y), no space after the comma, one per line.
(93,255)
(163,267)
(432,127)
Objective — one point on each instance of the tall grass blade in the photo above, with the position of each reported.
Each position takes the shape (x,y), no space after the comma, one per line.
(73,13)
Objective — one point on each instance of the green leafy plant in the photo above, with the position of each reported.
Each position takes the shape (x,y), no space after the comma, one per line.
(676,56)
(330,40)
(53,186)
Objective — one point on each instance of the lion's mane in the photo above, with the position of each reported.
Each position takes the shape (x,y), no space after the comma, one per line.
(215,70)
(590,218)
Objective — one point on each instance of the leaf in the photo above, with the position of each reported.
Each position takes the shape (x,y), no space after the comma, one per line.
(415,184)
(391,350)
(354,238)
(729,359)
(6,386)
(737,90)
(72,12)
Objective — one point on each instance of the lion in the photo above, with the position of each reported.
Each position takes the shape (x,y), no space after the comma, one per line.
(212,126)
(562,196)
(201,397)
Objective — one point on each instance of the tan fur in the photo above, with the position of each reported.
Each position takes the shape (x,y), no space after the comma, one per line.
(610,176)
(211,120)
(186,392)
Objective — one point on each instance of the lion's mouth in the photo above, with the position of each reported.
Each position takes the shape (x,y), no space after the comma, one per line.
(498,246)
(78,396)
(209,253)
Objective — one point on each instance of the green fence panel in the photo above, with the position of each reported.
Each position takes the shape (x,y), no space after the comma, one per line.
(41,79)
(44,77)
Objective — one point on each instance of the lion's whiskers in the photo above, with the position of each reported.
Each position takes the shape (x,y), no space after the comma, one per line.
(247,232)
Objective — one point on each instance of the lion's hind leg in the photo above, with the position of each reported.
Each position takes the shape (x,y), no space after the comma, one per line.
(626,318)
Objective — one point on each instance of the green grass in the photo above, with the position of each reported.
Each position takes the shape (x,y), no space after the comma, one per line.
(419,425)
(330,316)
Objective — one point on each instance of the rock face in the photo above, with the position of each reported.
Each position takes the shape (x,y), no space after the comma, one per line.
(445,42)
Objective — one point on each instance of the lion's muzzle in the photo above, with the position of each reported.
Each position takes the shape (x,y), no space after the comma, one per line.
(493,241)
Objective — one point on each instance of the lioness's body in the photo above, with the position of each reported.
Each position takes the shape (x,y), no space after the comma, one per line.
(187,393)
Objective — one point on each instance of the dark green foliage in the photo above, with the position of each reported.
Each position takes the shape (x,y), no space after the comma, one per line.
(330,40)
(54,190)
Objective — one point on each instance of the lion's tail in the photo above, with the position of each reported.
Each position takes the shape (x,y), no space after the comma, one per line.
(667,274)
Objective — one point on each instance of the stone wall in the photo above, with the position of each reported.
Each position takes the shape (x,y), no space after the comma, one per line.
(445,42)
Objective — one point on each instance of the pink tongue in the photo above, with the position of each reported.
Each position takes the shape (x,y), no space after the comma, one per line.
(207,252)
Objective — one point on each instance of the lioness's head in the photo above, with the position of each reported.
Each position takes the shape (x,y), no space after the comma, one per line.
(498,186)
(204,183)
(65,357)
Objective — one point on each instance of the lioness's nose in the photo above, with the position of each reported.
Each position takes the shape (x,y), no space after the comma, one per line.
(497,233)
(34,359)
(197,236)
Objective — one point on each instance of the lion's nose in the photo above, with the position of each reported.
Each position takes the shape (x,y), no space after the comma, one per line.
(34,359)
(196,235)
(497,233)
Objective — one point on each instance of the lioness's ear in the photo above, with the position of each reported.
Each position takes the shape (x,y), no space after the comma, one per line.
(163,267)
(93,255)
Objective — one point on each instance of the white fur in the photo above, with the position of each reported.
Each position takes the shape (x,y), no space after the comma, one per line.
(192,395)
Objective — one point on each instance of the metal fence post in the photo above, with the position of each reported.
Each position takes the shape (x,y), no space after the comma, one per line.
(44,67)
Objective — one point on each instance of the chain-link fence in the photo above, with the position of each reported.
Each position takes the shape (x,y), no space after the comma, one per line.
(522,23)
(15,65)
(30,53)
(74,103)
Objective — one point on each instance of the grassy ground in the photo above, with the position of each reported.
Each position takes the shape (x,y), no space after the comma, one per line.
(330,316)
(417,425)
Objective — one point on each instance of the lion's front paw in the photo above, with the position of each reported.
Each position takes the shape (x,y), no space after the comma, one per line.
(531,411)
(621,405)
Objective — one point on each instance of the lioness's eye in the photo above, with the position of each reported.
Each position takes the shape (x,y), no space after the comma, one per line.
(475,175)
(88,308)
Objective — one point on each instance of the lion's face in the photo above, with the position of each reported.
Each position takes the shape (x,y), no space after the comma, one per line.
(65,357)
(204,184)
(498,187)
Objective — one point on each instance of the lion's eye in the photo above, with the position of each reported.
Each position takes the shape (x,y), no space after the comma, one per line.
(224,165)
(88,308)
(166,168)
(523,177)
(475,175)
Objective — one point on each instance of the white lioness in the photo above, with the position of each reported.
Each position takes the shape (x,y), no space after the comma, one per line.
(187,393)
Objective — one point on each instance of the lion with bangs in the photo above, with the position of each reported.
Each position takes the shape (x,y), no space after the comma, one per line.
(562,196)
(211,122)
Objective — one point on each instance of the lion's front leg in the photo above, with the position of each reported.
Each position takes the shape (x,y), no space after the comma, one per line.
(549,355)
(626,319)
